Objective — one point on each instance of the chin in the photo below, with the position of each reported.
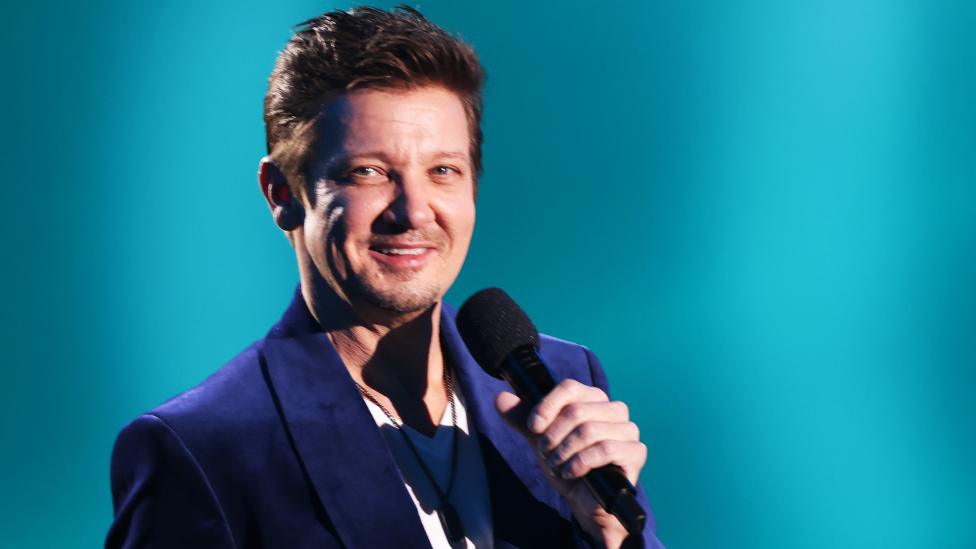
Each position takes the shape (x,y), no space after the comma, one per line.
(401,306)
(405,299)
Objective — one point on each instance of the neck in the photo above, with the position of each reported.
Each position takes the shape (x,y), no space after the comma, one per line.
(404,361)
(397,357)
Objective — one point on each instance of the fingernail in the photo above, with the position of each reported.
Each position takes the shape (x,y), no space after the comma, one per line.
(535,422)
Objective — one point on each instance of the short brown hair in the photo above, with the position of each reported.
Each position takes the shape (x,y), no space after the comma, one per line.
(364,48)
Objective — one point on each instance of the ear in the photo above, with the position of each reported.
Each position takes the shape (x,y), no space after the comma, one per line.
(286,208)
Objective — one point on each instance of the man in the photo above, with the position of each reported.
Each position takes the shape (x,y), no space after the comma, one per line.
(361,420)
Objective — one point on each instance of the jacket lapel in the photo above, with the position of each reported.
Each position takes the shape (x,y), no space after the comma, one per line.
(351,468)
(342,451)
(521,495)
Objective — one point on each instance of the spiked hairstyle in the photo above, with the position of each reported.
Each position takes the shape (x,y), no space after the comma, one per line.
(364,48)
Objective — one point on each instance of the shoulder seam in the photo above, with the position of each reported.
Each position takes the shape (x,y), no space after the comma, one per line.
(203,474)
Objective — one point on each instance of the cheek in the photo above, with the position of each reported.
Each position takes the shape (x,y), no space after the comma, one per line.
(325,221)
(462,215)
(361,210)
(466,213)
(347,215)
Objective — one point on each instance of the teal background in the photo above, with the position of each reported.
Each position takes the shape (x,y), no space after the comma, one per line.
(760,215)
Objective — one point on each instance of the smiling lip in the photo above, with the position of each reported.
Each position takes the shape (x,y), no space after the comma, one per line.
(409,255)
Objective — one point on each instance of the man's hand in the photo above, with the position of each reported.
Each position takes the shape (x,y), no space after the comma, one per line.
(574,429)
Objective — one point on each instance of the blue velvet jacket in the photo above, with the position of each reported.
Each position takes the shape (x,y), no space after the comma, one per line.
(277,449)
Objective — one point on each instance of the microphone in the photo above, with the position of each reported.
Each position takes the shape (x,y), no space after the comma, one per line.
(505,344)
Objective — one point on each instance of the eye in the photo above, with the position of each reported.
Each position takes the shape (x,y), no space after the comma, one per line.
(442,171)
(363,175)
(364,171)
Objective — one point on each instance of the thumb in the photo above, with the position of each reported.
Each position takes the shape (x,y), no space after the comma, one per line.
(515,412)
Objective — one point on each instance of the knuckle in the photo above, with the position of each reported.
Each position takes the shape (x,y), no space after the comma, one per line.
(589,454)
(599,394)
(572,383)
(642,450)
(584,390)
(573,412)
(622,408)
(568,413)
(599,453)
(543,408)
(573,466)
(559,453)
(635,430)
(587,431)
(570,386)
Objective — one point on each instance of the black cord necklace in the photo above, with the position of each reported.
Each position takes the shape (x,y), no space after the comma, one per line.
(448,515)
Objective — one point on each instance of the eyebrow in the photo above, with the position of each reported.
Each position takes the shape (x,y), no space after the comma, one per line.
(457,155)
(344,158)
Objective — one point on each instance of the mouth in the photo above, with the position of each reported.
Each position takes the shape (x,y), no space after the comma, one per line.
(402,255)
(400,251)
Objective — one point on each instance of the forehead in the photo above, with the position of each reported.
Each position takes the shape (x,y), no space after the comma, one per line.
(396,122)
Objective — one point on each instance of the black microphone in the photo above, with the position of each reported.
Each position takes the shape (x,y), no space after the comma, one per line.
(505,343)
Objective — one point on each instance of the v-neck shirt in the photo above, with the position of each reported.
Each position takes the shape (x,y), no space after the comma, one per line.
(469,495)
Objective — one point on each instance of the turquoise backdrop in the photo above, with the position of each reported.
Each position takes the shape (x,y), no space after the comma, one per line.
(760,215)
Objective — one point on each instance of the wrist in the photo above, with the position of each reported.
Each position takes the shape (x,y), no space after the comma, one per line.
(613,538)
(610,536)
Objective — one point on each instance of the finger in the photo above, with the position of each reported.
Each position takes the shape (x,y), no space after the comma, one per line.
(630,456)
(513,410)
(589,433)
(576,413)
(566,392)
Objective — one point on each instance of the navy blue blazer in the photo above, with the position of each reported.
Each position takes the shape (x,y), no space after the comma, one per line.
(277,449)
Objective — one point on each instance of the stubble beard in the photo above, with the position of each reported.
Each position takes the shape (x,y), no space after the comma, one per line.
(408,296)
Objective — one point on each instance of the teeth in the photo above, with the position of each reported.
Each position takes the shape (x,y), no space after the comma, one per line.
(402,251)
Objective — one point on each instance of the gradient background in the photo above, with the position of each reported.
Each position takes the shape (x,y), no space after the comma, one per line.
(760,215)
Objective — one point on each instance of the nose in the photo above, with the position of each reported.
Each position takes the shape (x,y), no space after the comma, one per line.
(411,207)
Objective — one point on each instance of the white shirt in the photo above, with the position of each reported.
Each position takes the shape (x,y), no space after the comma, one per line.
(469,496)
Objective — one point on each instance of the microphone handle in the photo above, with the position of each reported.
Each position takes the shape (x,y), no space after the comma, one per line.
(524,370)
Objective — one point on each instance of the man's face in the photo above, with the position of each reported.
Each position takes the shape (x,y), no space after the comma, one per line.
(390,197)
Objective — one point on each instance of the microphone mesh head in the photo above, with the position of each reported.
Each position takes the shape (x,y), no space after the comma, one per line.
(492,325)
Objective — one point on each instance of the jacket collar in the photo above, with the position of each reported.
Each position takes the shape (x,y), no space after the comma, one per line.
(344,454)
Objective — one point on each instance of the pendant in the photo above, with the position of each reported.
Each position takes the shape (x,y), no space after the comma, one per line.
(451,522)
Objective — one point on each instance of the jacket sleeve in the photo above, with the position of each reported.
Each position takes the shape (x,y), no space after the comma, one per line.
(649,539)
(161,496)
